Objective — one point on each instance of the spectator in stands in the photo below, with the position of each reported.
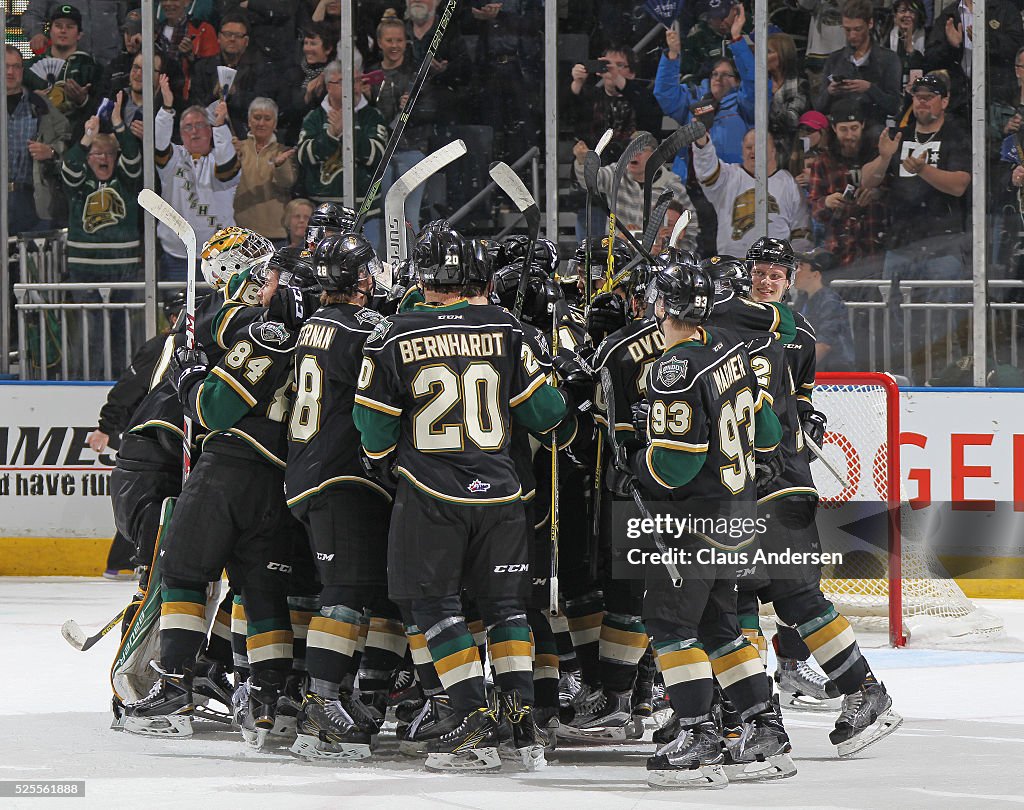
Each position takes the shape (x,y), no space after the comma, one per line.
(326,10)
(927,168)
(271,28)
(708,40)
(862,69)
(825,311)
(724,102)
(629,206)
(198,176)
(853,221)
(116,73)
(250,75)
(730,188)
(906,40)
(70,77)
(296,218)
(302,86)
(790,94)
(949,47)
(269,171)
(390,97)
(451,70)
(618,101)
(102,175)
(184,39)
(319,155)
(812,139)
(99,21)
(131,110)
(824,36)
(36,136)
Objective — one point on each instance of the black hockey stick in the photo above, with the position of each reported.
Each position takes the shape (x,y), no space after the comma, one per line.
(653,222)
(510,182)
(591,166)
(75,635)
(403,118)
(667,150)
(613,446)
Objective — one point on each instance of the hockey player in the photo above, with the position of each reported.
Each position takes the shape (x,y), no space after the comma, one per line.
(438,388)
(235,494)
(345,513)
(795,591)
(707,420)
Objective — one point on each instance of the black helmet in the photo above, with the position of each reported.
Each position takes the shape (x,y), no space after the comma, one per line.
(677,255)
(512,249)
(295,269)
(443,258)
(327,220)
(341,260)
(598,259)
(686,290)
(776,251)
(539,298)
(483,264)
(728,272)
(174,305)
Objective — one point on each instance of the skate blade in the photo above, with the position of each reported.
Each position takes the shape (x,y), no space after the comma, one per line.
(529,758)
(311,748)
(597,734)
(707,777)
(779,766)
(177,726)
(255,737)
(284,726)
(214,716)
(805,703)
(412,748)
(885,725)
(476,759)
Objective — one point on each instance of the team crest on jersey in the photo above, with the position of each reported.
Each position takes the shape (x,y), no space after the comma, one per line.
(272,333)
(542,342)
(672,371)
(365,316)
(104,207)
(478,486)
(380,330)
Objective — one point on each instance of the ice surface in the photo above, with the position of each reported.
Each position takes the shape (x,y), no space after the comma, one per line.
(962,744)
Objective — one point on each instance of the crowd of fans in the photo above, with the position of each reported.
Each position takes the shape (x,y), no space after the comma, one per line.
(869,156)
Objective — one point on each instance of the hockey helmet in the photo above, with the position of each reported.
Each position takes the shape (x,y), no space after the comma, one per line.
(512,249)
(540,297)
(329,219)
(773,251)
(686,291)
(443,258)
(483,266)
(676,254)
(232,250)
(294,266)
(174,305)
(342,260)
(728,272)
(598,259)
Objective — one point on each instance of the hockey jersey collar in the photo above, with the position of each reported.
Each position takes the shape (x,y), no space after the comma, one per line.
(701,338)
(428,307)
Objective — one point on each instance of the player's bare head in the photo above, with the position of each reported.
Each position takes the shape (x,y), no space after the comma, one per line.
(683,296)
(345,266)
(772,264)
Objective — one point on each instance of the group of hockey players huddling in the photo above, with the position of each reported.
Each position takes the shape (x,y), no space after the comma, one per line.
(371,465)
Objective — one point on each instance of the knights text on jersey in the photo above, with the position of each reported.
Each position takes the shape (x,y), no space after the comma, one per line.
(323,443)
(445,379)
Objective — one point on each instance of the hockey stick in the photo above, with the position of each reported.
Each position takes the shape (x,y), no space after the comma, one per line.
(75,635)
(828,464)
(591,166)
(641,142)
(613,445)
(164,211)
(665,151)
(553,581)
(509,182)
(403,118)
(678,228)
(653,222)
(394,200)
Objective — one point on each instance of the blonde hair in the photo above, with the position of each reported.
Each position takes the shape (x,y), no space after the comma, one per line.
(291,207)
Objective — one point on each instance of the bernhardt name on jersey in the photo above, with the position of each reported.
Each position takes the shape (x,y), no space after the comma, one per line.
(486,344)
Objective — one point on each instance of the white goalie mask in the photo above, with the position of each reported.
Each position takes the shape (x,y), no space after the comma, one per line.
(232,250)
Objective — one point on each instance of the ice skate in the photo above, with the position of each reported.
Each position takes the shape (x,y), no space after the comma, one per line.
(569,685)
(801,687)
(465,742)
(362,715)
(761,751)
(289,704)
(866,718)
(413,738)
(667,731)
(600,716)
(212,682)
(546,719)
(692,759)
(260,712)
(166,711)
(325,731)
(524,742)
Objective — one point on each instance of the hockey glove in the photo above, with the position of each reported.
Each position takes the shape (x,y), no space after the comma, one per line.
(607,314)
(576,381)
(640,410)
(292,307)
(379,469)
(813,424)
(621,478)
(186,368)
(766,470)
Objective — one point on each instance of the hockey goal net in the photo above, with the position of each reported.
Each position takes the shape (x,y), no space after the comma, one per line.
(890,578)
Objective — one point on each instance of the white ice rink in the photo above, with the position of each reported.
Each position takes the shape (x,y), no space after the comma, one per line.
(962,744)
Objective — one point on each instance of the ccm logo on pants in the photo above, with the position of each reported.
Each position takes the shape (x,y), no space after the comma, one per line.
(515,568)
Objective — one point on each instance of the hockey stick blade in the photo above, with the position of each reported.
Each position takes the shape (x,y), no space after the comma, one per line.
(606,139)
(394,200)
(605,376)
(678,228)
(653,222)
(165,212)
(665,151)
(510,182)
(591,166)
(75,635)
(641,142)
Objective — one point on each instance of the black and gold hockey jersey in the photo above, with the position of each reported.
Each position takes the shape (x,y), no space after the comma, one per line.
(521,448)
(440,384)
(738,314)
(629,354)
(323,443)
